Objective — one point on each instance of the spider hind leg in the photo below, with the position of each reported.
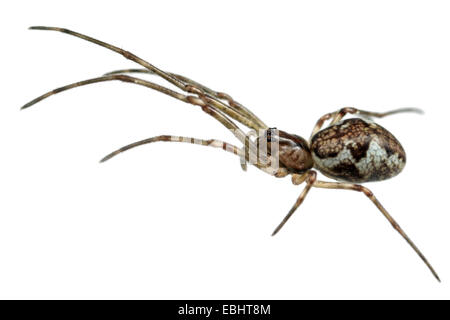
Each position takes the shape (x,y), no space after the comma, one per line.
(371,196)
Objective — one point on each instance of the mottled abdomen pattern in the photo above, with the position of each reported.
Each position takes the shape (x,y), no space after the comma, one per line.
(356,150)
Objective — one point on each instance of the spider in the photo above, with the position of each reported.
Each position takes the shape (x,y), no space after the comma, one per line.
(350,151)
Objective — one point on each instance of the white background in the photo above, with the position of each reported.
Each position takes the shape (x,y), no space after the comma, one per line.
(181,221)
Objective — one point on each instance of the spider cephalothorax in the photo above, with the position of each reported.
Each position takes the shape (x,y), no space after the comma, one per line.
(292,151)
(353,150)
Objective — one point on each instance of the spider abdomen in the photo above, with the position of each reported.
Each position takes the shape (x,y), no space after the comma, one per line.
(356,150)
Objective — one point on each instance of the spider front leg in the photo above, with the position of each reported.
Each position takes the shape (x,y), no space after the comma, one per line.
(239,114)
(169,138)
(198,101)
(118,77)
(219,95)
(337,116)
(280,172)
(370,195)
(126,54)
(124,78)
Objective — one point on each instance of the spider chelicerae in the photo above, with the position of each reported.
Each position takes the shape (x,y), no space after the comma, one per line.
(350,151)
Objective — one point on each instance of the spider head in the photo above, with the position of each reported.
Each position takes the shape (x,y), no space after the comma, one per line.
(291,150)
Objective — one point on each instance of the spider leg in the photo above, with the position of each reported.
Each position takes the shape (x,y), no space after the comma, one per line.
(124,53)
(168,138)
(341,113)
(219,95)
(369,194)
(219,116)
(210,143)
(337,116)
(310,177)
(123,78)
(185,98)
(190,88)
(131,70)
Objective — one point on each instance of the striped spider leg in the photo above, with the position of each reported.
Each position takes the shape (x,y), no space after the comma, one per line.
(216,108)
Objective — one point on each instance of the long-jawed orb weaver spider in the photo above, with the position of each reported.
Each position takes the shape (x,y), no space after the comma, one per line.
(350,151)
